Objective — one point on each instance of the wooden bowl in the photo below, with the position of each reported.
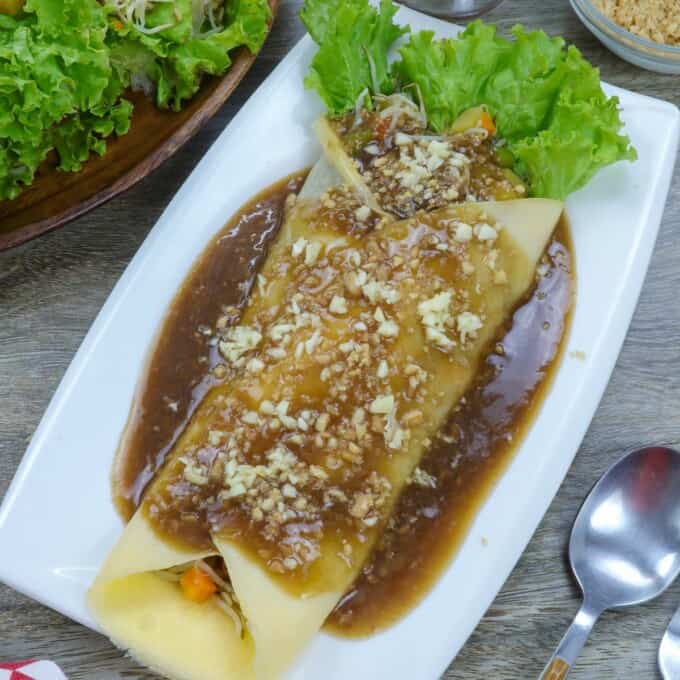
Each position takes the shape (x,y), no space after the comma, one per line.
(56,197)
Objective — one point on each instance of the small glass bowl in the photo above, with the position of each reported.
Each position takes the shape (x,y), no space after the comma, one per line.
(645,53)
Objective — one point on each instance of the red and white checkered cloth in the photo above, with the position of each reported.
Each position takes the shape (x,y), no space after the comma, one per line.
(31,670)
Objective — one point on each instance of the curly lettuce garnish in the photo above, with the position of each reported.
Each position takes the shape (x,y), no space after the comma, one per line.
(65,64)
(546,99)
(354,39)
(58,88)
(557,125)
(170,62)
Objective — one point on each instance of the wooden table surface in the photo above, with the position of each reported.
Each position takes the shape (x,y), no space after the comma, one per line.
(52,288)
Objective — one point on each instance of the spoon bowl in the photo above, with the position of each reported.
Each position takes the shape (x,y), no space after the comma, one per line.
(625,543)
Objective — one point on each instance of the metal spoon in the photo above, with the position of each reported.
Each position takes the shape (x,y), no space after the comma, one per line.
(625,543)
(669,650)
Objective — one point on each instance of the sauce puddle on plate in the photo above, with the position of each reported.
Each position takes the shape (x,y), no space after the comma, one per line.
(185,358)
(462,465)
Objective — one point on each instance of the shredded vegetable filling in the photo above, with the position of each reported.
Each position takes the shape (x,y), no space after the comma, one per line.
(207,581)
(133,12)
(410,168)
(207,16)
(210,12)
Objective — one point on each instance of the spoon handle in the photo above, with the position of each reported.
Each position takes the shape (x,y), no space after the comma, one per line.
(669,650)
(571,644)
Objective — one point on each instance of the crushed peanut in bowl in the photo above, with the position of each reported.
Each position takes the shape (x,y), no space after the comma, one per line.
(655,20)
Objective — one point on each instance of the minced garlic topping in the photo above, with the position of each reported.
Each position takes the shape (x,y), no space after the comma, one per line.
(382,404)
(377,291)
(338,305)
(421,171)
(435,315)
(238,341)
(468,324)
(422,478)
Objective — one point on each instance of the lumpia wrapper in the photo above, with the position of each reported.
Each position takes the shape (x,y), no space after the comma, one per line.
(282,623)
(149,616)
(343,164)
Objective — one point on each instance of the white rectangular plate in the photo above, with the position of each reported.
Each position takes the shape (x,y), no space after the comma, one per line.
(57,522)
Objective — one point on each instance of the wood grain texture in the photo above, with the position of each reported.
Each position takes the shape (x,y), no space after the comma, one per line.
(52,288)
(155,134)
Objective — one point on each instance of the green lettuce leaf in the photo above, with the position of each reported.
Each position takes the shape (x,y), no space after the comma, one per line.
(582,135)
(54,68)
(354,39)
(177,14)
(547,101)
(173,61)
(83,133)
(558,126)
(450,74)
(64,65)
(520,92)
(318,15)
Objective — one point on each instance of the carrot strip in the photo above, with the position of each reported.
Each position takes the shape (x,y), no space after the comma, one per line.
(487,122)
(197,585)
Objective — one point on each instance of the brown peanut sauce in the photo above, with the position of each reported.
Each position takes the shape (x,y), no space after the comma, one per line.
(466,460)
(428,525)
(180,370)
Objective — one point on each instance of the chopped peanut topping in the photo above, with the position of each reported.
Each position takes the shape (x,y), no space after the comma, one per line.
(327,379)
